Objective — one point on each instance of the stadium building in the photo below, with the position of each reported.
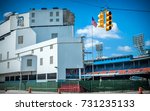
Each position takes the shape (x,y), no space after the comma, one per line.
(38,50)
(39,46)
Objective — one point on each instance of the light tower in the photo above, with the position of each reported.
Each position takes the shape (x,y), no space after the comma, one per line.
(99,49)
(138,42)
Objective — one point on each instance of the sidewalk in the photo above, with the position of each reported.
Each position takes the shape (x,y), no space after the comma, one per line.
(40,92)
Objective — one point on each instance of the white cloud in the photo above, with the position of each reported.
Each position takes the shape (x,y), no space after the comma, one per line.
(88,43)
(147,43)
(97,32)
(124,48)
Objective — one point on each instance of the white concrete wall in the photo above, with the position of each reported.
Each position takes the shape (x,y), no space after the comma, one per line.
(8,45)
(24,66)
(44,33)
(45,54)
(5,28)
(14,18)
(69,56)
(44,16)
(29,37)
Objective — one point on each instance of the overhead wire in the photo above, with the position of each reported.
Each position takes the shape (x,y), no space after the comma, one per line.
(112,8)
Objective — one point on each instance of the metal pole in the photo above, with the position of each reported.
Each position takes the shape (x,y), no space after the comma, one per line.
(92,55)
(20,74)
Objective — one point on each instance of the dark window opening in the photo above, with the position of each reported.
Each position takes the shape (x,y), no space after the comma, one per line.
(41,76)
(51,76)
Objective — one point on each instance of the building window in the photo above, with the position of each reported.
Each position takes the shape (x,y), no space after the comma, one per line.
(51,14)
(12,78)
(51,20)
(7,55)
(32,15)
(51,46)
(51,76)
(25,77)
(41,61)
(17,78)
(32,77)
(33,21)
(51,59)
(32,51)
(8,65)
(29,62)
(54,35)
(0,57)
(7,78)
(57,14)
(20,39)
(41,76)
(41,49)
(57,20)
(20,21)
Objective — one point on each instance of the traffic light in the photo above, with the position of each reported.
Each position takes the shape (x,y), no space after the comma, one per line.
(101,20)
(108,20)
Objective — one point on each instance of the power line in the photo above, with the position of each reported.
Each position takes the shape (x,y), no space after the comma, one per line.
(117,9)
(135,10)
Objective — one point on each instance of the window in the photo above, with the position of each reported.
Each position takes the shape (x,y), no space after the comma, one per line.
(41,76)
(32,15)
(20,21)
(12,78)
(0,57)
(41,49)
(41,61)
(51,46)
(25,77)
(20,39)
(32,51)
(33,21)
(51,14)
(17,78)
(51,76)
(32,77)
(7,55)
(57,13)
(57,20)
(51,59)
(29,62)
(54,35)
(8,65)
(6,78)
(51,20)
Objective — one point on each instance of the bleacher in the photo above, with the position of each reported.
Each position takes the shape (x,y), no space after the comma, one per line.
(128,71)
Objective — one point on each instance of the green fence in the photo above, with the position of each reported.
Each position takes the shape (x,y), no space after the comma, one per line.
(113,85)
(88,85)
(36,86)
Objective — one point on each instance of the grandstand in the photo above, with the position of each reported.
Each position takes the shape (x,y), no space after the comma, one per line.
(120,66)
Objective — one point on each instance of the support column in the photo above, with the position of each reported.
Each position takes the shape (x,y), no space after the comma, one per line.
(79,73)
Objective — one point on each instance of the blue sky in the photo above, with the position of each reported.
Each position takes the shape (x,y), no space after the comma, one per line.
(126,24)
